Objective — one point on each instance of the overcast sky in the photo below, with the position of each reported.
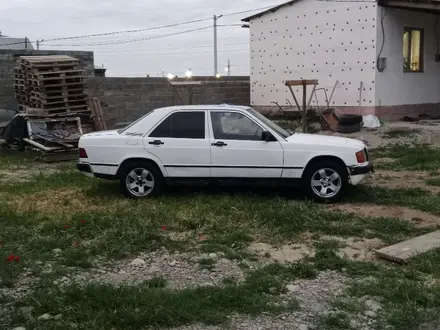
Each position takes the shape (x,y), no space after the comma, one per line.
(46,19)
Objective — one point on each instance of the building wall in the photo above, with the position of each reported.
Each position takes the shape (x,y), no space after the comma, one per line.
(408,93)
(126,99)
(328,41)
(9,58)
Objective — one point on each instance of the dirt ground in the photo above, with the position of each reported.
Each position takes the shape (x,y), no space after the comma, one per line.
(396,132)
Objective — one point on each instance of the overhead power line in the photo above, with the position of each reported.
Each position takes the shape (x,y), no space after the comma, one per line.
(248,11)
(136,39)
(141,30)
(180,48)
(129,31)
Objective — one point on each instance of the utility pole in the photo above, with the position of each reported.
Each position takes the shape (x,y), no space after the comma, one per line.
(215,46)
(39,43)
(229,67)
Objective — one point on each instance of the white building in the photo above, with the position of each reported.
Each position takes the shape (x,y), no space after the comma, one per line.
(343,41)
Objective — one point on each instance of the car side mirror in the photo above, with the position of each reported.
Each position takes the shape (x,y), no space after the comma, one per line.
(267,136)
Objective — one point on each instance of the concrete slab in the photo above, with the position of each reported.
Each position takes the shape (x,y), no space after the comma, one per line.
(408,249)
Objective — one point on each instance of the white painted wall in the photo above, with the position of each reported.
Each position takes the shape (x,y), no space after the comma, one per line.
(393,86)
(313,39)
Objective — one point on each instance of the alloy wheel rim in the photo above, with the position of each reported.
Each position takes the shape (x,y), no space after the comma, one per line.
(140,182)
(326,182)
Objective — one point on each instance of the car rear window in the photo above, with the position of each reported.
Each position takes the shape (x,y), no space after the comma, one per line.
(182,125)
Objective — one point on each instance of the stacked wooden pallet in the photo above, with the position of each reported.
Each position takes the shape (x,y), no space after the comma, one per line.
(51,86)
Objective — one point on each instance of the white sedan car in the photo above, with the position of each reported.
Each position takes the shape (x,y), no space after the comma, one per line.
(221,143)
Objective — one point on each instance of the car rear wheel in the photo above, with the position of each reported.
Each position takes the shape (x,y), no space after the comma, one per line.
(325,181)
(140,180)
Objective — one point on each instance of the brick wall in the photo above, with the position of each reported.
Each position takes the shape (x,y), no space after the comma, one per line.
(9,58)
(126,99)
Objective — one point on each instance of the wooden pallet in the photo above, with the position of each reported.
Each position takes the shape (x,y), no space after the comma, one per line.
(62,105)
(56,74)
(48,61)
(58,100)
(59,87)
(58,95)
(55,82)
(72,108)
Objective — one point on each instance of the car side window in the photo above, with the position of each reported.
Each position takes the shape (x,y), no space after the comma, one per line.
(234,126)
(182,125)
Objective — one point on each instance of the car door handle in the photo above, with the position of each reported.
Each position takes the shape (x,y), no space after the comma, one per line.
(156,142)
(219,144)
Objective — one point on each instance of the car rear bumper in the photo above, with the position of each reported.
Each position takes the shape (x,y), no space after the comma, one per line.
(85,169)
(357,170)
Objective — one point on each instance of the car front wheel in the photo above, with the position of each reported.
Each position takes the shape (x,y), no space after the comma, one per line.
(140,180)
(325,181)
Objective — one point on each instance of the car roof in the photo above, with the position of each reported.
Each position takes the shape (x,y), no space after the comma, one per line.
(204,107)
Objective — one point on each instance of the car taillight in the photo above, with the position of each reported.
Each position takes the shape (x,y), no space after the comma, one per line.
(82,153)
(361,157)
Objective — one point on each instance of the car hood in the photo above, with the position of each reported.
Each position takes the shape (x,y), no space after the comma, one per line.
(324,140)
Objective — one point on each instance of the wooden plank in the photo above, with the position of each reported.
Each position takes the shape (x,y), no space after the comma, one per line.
(60,87)
(56,82)
(301,82)
(60,100)
(58,95)
(404,251)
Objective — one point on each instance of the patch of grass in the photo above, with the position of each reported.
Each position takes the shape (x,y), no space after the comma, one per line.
(156,282)
(409,295)
(411,158)
(69,177)
(415,198)
(102,306)
(207,263)
(116,227)
(334,321)
(9,271)
(8,158)
(433,182)
(399,133)
(329,244)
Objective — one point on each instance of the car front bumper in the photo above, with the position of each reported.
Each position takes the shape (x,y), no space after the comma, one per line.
(358,173)
(357,170)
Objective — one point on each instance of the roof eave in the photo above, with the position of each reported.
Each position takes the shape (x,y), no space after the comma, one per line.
(270,10)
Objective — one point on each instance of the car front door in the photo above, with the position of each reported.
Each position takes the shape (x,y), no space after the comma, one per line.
(181,142)
(238,149)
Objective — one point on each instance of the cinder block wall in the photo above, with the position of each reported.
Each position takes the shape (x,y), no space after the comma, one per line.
(9,59)
(126,99)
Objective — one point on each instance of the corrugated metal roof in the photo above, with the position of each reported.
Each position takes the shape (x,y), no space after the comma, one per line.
(15,43)
(270,10)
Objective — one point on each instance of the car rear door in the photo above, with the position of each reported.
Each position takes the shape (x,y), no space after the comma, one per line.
(237,148)
(181,142)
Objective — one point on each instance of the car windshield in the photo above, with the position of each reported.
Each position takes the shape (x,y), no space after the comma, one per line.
(122,130)
(281,131)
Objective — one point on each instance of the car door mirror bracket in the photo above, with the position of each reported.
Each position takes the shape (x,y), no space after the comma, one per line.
(268,136)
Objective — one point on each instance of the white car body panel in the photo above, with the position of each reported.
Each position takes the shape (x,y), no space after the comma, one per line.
(197,158)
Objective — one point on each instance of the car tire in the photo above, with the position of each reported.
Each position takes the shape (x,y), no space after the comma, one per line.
(325,181)
(141,180)
(349,119)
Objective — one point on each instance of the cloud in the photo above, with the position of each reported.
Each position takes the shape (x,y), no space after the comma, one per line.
(45,19)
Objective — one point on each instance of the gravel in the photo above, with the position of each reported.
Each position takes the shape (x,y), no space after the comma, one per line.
(180,270)
(314,297)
